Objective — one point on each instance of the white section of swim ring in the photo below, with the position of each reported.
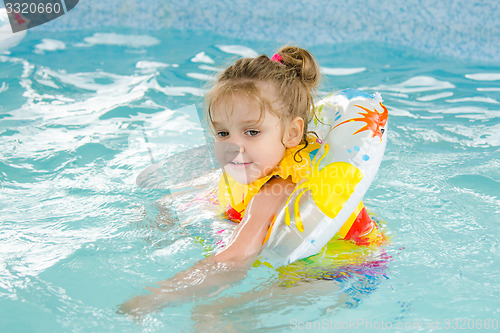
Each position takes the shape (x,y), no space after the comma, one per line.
(286,244)
(8,39)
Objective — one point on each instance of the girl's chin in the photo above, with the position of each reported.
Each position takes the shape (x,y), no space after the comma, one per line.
(242,176)
(242,179)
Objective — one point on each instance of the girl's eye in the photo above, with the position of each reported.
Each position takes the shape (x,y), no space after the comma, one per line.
(222,134)
(253,132)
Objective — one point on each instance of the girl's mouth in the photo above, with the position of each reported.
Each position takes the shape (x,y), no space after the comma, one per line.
(240,165)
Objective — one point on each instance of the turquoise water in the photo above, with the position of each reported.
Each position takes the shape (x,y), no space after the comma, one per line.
(78,113)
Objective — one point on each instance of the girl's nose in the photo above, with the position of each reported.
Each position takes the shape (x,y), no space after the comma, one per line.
(235,146)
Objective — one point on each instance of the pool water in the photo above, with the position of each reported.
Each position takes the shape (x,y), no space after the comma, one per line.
(82,114)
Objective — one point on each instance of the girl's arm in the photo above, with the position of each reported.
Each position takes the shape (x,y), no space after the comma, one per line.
(230,265)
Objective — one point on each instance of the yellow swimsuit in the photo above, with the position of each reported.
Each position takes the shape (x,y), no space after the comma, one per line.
(234,197)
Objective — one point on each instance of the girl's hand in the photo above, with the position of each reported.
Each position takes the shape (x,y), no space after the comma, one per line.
(141,305)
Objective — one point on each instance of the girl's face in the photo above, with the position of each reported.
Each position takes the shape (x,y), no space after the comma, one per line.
(249,146)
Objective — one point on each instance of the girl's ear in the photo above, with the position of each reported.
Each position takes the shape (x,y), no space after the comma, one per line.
(294,132)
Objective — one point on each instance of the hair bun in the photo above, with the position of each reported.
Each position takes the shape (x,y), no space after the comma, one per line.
(302,62)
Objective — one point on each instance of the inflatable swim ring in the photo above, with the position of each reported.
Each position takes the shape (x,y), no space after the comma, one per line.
(8,39)
(352,125)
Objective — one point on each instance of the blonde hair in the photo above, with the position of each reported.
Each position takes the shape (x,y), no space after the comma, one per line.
(295,77)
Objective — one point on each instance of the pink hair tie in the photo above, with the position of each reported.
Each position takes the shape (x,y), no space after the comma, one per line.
(277,58)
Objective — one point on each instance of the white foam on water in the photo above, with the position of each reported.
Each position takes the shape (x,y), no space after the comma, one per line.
(432,117)
(4,87)
(202,57)
(488,89)
(470,112)
(202,77)
(474,99)
(144,64)
(432,135)
(27,66)
(341,71)
(210,68)
(134,41)
(174,90)
(49,45)
(240,50)
(401,113)
(118,90)
(48,83)
(433,97)
(37,253)
(484,76)
(479,136)
(416,84)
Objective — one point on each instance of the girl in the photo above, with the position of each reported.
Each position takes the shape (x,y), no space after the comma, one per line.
(259,110)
